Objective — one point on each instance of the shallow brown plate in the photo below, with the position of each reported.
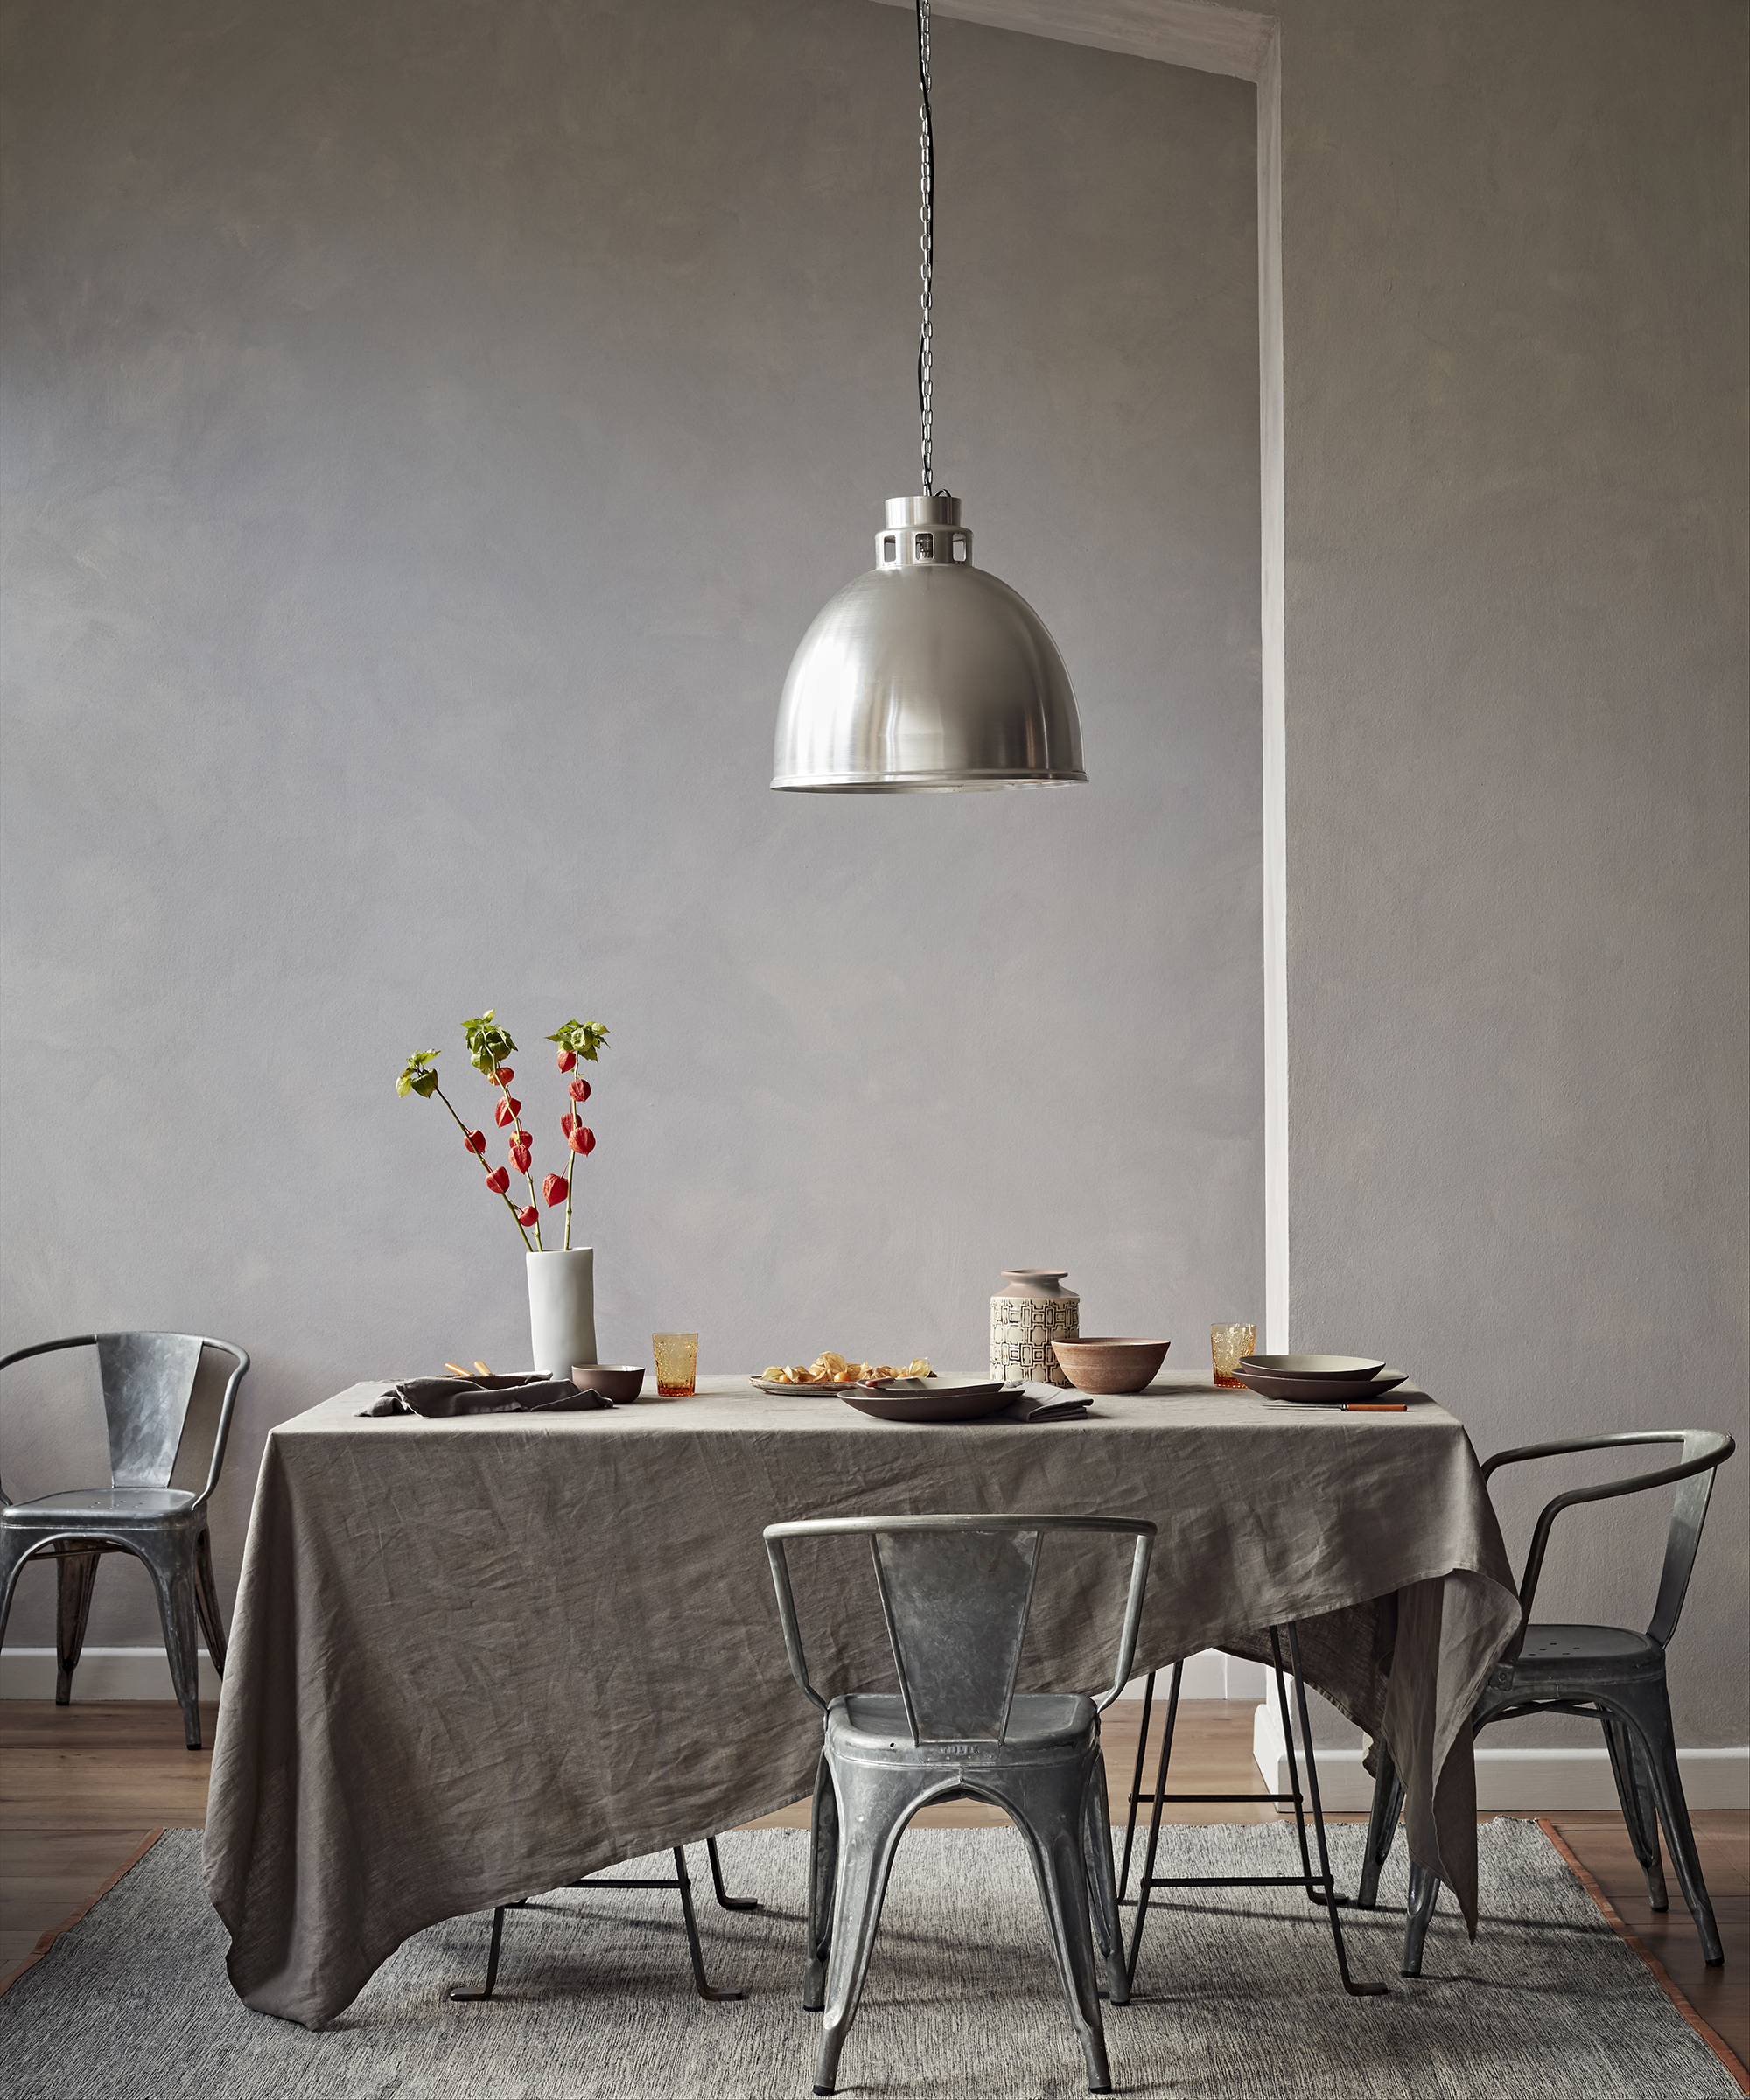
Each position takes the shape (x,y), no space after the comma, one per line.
(1320,1392)
(927,1403)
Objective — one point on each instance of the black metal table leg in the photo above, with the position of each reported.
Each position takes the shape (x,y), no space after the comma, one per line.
(1331,1897)
(1319,1888)
(725,1900)
(1136,1787)
(686,1888)
(1148,1880)
(681,1882)
(462,1996)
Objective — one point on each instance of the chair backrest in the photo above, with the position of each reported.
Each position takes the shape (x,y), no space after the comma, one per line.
(1704,1452)
(956,1593)
(1689,1514)
(148,1381)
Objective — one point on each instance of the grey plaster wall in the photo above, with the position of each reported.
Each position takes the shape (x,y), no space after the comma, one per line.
(428,433)
(1515,250)
(429,429)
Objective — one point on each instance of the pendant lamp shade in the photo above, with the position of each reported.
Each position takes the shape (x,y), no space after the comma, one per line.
(925,675)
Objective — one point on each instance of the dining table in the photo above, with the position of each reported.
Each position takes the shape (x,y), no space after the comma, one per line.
(474,1659)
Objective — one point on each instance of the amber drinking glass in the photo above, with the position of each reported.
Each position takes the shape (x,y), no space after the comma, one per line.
(677,1364)
(1226,1346)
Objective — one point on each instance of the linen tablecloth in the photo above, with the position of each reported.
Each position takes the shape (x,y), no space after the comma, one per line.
(472,1660)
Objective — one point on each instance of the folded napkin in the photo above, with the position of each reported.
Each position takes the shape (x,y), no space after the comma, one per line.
(439,1399)
(1037,1402)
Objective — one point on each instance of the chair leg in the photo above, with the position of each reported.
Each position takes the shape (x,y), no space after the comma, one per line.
(1650,1719)
(823,1878)
(1102,1892)
(1055,1848)
(876,1816)
(76,1577)
(170,1560)
(1388,1806)
(1425,1893)
(1640,1812)
(13,1554)
(206,1602)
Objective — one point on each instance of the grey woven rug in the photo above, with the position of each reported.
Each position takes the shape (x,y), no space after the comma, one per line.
(1237,1993)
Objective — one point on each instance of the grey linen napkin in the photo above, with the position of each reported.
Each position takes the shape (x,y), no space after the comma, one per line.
(1034,1401)
(441,1399)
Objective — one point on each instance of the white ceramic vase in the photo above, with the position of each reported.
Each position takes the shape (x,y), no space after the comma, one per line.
(562,1309)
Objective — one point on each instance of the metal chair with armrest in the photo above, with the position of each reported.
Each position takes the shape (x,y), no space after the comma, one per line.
(1602,1673)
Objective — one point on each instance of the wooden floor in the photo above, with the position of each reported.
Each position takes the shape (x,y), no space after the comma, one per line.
(83,1786)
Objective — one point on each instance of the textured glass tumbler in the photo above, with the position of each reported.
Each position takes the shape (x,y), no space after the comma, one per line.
(677,1364)
(1226,1346)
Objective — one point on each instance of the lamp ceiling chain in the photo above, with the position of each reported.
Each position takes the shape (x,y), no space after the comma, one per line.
(927,239)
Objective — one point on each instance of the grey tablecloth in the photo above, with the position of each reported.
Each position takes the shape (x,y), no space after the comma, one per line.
(473,1659)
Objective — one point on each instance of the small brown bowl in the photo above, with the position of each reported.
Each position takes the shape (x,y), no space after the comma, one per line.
(613,1381)
(1110,1363)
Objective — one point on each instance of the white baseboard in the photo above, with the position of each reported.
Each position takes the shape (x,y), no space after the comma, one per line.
(1209,1675)
(142,1673)
(1513,1780)
(1523,1782)
(103,1673)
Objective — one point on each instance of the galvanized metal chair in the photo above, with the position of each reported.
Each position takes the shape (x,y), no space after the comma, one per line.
(956,1593)
(147,1380)
(1601,1673)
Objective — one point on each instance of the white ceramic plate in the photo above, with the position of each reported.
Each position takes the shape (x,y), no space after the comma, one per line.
(1309,1367)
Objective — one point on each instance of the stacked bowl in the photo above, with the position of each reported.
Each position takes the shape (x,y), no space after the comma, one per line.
(1324,1381)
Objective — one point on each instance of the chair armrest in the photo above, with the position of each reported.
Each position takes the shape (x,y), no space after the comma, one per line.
(1526,1452)
(1717,1449)
(787,1612)
(1133,1615)
(223,1432)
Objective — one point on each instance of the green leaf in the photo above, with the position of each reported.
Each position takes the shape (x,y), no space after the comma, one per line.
(488,1044)
(416,1077)
(582,1039)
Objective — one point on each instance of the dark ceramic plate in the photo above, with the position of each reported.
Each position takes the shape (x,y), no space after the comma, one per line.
(1320,1392)
(921,1403)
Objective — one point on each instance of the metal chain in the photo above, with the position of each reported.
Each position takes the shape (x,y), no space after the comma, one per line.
(926,240)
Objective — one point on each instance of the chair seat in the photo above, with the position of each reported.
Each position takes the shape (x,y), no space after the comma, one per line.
(104,1505)
(1037,1720)
(1573,1656)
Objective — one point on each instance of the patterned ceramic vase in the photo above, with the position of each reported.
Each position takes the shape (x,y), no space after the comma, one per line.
(1031,1311)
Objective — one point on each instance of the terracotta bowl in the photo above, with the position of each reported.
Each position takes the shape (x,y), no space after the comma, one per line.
(1110,1364)
(611,1381)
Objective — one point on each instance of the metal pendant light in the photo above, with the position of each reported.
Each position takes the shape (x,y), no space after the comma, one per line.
(926,675)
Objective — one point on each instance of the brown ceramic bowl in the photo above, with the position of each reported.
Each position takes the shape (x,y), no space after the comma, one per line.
(611,1381)
(1110,1363)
